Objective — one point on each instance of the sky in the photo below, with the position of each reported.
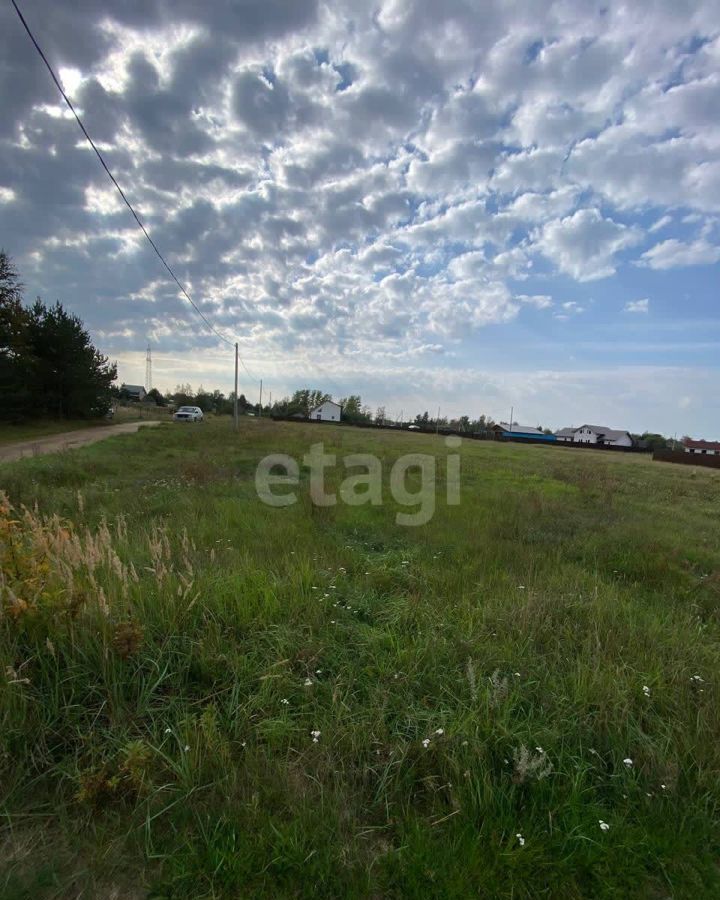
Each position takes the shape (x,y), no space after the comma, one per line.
(471,205)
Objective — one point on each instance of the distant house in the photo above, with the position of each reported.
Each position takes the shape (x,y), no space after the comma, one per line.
(329,411)
(601,434)
(702,448)
(505,429)
(133,391)
(565,435)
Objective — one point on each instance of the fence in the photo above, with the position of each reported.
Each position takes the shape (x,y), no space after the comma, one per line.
(687,459)
(468,435)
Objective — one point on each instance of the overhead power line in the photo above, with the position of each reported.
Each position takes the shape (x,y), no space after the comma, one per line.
(119,189)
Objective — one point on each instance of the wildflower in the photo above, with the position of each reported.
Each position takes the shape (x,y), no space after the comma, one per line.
(628,762)
(603,825)
(521,839)
(646,690)
(285,701)
(464,744)
(539,749)
(318,671)
(439,731)
(521,587)
(697,679)
(426,743)
(308,682)
(186,748)
(516,674)
(243,743)
(315,735)
(663,787)
(168,731)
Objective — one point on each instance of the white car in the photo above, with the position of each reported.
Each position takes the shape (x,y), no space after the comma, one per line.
(188,414)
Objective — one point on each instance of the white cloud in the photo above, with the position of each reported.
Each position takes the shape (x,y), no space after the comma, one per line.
(673,253)
(637,306)
(661,223)
(370,176)
(584,245)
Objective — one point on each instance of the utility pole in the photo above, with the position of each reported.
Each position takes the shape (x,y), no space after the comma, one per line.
(235,403)
(512,410)
(148,369)
(437,421)
(261,396)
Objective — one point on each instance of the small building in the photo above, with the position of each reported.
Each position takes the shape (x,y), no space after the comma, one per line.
(528,432)
(133,391)
(702,448)
(601,434)
(329,411)
(565,435)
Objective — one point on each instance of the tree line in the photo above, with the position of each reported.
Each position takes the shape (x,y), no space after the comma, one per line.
(50,368)
(48,364)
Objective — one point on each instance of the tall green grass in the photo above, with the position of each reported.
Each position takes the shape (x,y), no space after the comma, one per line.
(482,677)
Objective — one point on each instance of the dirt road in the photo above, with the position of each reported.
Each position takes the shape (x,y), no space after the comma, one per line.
(53,443)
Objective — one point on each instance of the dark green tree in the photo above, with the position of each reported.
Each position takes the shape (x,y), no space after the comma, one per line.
(69,376)
(15,369)
(154,394)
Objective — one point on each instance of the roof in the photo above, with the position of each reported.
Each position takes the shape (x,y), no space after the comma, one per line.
(612,435)
(565,432)
(323,404)
(598,429)
(702,445)
(133,388)
(520,429)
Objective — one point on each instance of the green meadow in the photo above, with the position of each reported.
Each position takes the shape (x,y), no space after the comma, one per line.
(202,696)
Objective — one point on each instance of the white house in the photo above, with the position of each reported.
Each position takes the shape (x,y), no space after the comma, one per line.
(329,411)
(703,448)
(565,435)
(601,434)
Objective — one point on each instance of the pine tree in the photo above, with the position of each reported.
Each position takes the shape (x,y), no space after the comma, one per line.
(70,377)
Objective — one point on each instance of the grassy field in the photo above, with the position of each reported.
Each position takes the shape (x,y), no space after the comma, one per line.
(204,696)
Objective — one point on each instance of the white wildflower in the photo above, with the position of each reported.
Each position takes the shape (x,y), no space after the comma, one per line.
(315,735)
(426,743)
(308,682)
(521,839)
(628,762)
(439,731)
(285,701)
(646,690)
(603,825)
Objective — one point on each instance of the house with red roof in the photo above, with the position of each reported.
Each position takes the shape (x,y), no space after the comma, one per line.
(704,448)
